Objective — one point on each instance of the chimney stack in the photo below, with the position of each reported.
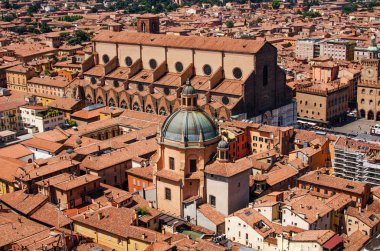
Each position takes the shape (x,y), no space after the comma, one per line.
(100,216)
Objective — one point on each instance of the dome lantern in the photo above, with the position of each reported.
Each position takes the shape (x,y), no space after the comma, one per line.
(223,148)
(189,96)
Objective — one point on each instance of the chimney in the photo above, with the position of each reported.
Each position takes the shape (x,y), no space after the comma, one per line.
(136,218)
(163,231)
(360,210)
(317,216)
(100,216)
(143,236)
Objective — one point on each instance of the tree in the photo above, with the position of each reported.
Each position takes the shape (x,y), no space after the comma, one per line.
(229,24)
(350,8)
(20,30)
(7,5)
(45,28)
(276,4)
(78,37)
(311,14)
(8,18)
(34,8)
(70,18)
(64,35)
(93,10)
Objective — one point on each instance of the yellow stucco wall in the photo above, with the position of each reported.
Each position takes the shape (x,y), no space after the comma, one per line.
(110,240)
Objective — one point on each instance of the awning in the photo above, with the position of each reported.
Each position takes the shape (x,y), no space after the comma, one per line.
(333,242)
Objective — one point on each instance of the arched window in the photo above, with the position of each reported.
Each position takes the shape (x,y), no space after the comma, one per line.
(89,99)
(265,75)
(149,109)
(123,104)
(370,115)
(100,100)
(162,111)
(111,103)
(136,107)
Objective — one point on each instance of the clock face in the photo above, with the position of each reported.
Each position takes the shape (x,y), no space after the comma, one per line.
(370,73)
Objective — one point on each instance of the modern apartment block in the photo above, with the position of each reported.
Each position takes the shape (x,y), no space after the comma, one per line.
(337,49)
(307,48)
(356,160)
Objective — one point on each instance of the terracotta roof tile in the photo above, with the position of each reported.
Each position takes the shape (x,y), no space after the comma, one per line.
(320,236)
(13,228)
(317,178)
(9,168)
(369,218)
(23,202)
(229,169)
(192,42)
(50,214)
(252,218)
(105,160)
(210,213)
(43,144)
(124,228)
(310,207)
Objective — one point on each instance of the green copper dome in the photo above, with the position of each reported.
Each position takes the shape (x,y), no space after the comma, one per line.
(189,126)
